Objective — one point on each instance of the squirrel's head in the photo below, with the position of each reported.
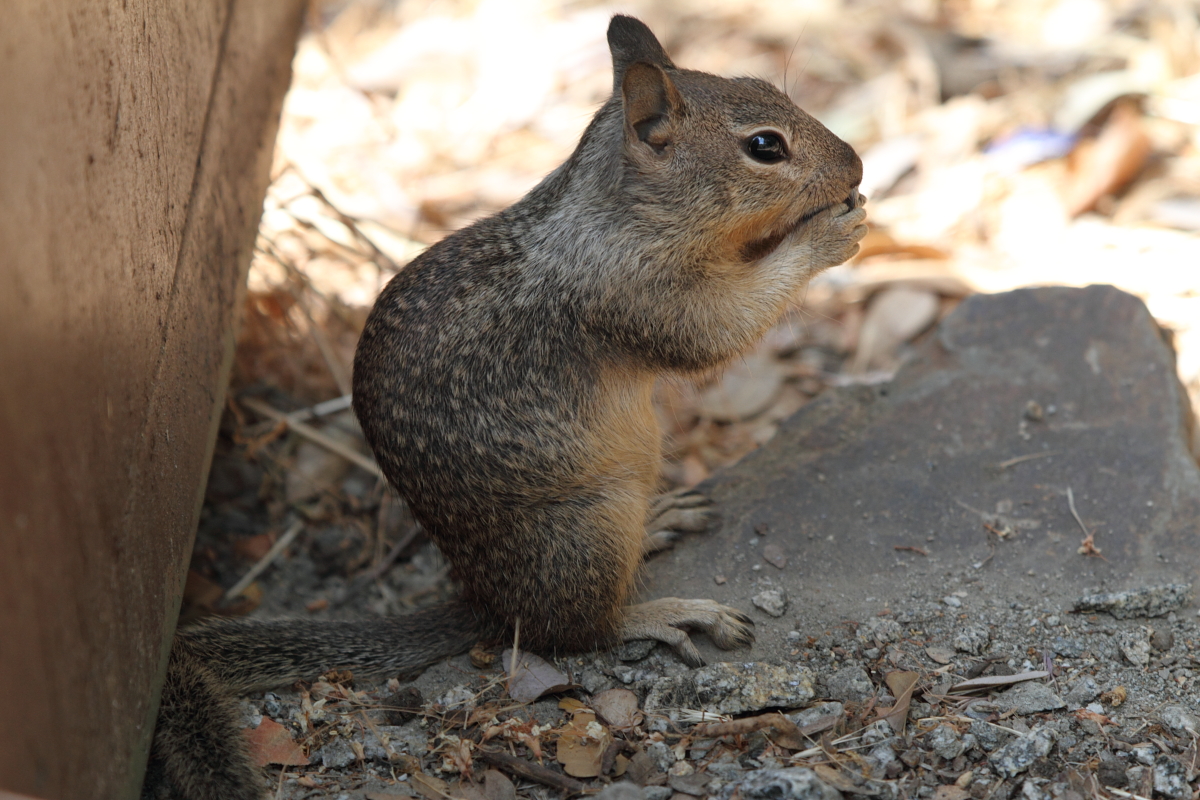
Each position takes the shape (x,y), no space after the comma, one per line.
(737,153)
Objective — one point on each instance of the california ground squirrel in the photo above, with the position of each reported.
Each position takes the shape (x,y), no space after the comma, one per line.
(504,382)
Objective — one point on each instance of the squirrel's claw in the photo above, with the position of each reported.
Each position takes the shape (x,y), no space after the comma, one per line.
(673,513)
(668,620)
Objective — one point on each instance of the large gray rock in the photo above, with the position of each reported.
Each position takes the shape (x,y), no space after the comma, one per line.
(797,783)
(732,688)
(950,445)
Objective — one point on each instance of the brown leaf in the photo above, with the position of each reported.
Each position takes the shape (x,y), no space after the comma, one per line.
(465,790)
(835,778)
(533,677)
(429,787)
(773,554)
(252,548)
(618,707)
(497,786)
(1106,164)
(782,731)
(643,771)
(901,683)
(1099,719)
(894,316)
(990,681)
(581,745)
(940,655)
(271,743)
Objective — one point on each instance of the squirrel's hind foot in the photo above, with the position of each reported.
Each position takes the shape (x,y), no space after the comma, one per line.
(670,618)
(674,513)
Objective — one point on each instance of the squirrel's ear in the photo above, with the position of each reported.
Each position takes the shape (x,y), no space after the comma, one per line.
(651,103)
(629,41)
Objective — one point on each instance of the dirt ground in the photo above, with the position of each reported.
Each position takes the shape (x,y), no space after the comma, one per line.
(1005,145)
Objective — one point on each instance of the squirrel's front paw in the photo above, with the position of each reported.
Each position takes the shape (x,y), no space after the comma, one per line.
(834,233)
(669,619)
(673,513)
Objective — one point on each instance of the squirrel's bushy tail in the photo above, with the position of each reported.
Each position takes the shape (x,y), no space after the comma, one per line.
(248,654)
(198,751)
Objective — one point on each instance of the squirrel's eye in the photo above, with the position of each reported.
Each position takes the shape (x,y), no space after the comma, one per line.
(766,147)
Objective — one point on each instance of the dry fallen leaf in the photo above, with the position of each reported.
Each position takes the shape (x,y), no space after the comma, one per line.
(748,387)
(894,316)
(533,677)
(571,705)
(781,730)
(465,790)
(497,786)
(581,745)
(271,743)
(940,655)
(773,554)
(990,681)
(618,707)
(429,787)
(253,548)
(901,684)
(1106,164)
(1099,719)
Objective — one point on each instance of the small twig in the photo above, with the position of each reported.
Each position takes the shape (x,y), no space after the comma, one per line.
(1014,461)
(995,530)
(530,770)
(512,662)
(911,548)
(1123,793)
(1087,547)
(265,561)
(336,368)
(315,436)
(322,409)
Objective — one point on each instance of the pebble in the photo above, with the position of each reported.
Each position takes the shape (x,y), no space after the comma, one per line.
(1150,601)
(338,754)
(947,742)
(634,650)
(773,601)
(797,783)
(1170,778)
(1162,639)
(1030,790)
(818,712)
(628,791)
(952,601)
(1135,646)
(972,639)
(731,688)
(1083,691)
(879,629)
(850,684)
(1180,720)
(1144,753)
(1029,698)
(662,756)
(1015,757)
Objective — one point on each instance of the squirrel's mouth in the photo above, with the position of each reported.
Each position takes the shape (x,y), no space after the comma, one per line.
(765,245)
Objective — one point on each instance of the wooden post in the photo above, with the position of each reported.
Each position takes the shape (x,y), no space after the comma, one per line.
(135,146)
